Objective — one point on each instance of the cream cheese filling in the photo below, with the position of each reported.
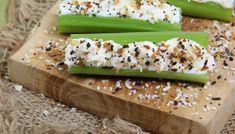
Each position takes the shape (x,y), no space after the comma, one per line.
(177,54)
(147,10)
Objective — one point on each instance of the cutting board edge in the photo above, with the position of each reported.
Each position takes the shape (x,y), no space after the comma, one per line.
(15,76)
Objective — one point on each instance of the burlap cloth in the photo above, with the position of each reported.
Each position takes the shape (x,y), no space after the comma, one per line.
(26,112)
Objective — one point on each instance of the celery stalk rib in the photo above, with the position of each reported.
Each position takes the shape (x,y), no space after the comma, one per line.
(124,38)
(200,78)
(87,24)
(208,10)
(4,12)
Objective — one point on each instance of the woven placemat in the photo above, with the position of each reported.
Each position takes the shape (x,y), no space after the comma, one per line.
(24,112)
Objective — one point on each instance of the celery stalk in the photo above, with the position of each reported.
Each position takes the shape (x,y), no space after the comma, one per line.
(208,10)
(4,12)
(200,78)
(125,38)
(87,24)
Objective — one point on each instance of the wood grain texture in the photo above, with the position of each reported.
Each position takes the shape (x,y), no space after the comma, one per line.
(75,90)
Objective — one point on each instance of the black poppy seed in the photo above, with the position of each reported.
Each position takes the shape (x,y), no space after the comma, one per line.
(88,45)
(48,49)
(205,63)
(190,66)
(174,63)
(220,45)
(216,98)
(156,60)
(125,46)
(219,77)
(163,51)
(136,49)
(117,89)
(153,50)
(182,46)
(61,63)
(213,83)
(230,58)
(129,59)
(225,63)
(72,52)
(147,63)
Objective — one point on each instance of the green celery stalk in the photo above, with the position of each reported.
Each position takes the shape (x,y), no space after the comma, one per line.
(87,24)
(4,12)
(200,78)
(208,10)
(124,38)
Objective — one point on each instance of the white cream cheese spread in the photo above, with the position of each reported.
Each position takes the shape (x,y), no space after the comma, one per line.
(177,54)
(147,10)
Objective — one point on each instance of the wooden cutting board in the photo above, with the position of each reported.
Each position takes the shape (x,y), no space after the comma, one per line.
(92,93)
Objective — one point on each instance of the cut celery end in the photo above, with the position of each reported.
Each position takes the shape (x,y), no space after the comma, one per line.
(125,38)
(87,24)
(208,10)
(200,78)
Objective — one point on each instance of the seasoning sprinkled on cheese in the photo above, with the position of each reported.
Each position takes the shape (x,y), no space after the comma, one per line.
(177,54)
(148,10)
